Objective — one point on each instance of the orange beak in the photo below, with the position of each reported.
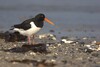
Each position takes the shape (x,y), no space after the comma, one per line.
(47,20)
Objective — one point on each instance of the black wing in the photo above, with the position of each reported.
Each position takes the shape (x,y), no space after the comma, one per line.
(24,25)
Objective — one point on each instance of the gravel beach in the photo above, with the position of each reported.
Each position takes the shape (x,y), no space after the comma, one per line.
(51,52)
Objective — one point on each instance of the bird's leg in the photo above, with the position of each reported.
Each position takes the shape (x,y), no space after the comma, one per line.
(29,40)
(33,40)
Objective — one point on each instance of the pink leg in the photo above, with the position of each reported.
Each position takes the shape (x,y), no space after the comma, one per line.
(29,40)
(33,40)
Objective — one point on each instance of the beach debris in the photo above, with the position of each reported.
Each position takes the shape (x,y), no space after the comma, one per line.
(48,36)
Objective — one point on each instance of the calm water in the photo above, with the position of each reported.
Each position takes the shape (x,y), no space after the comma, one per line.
(73,17)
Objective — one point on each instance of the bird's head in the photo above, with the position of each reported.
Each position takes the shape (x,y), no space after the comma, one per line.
(41,17)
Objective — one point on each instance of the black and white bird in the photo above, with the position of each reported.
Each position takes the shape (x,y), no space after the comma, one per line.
(31,26)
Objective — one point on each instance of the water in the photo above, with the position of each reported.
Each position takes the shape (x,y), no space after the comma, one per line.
(73,17)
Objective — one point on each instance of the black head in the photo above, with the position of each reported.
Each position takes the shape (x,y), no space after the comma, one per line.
(39,20)
(40,17)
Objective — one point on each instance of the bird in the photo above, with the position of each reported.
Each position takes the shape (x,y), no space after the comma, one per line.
(31,26)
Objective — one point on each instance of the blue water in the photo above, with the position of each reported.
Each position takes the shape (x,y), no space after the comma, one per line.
(73,17)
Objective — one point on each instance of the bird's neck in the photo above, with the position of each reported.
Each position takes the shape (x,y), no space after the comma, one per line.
(39,23)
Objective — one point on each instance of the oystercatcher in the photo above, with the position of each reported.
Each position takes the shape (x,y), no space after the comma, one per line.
(31,26)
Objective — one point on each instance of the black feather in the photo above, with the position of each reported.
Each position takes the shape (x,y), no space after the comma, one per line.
(24,25)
